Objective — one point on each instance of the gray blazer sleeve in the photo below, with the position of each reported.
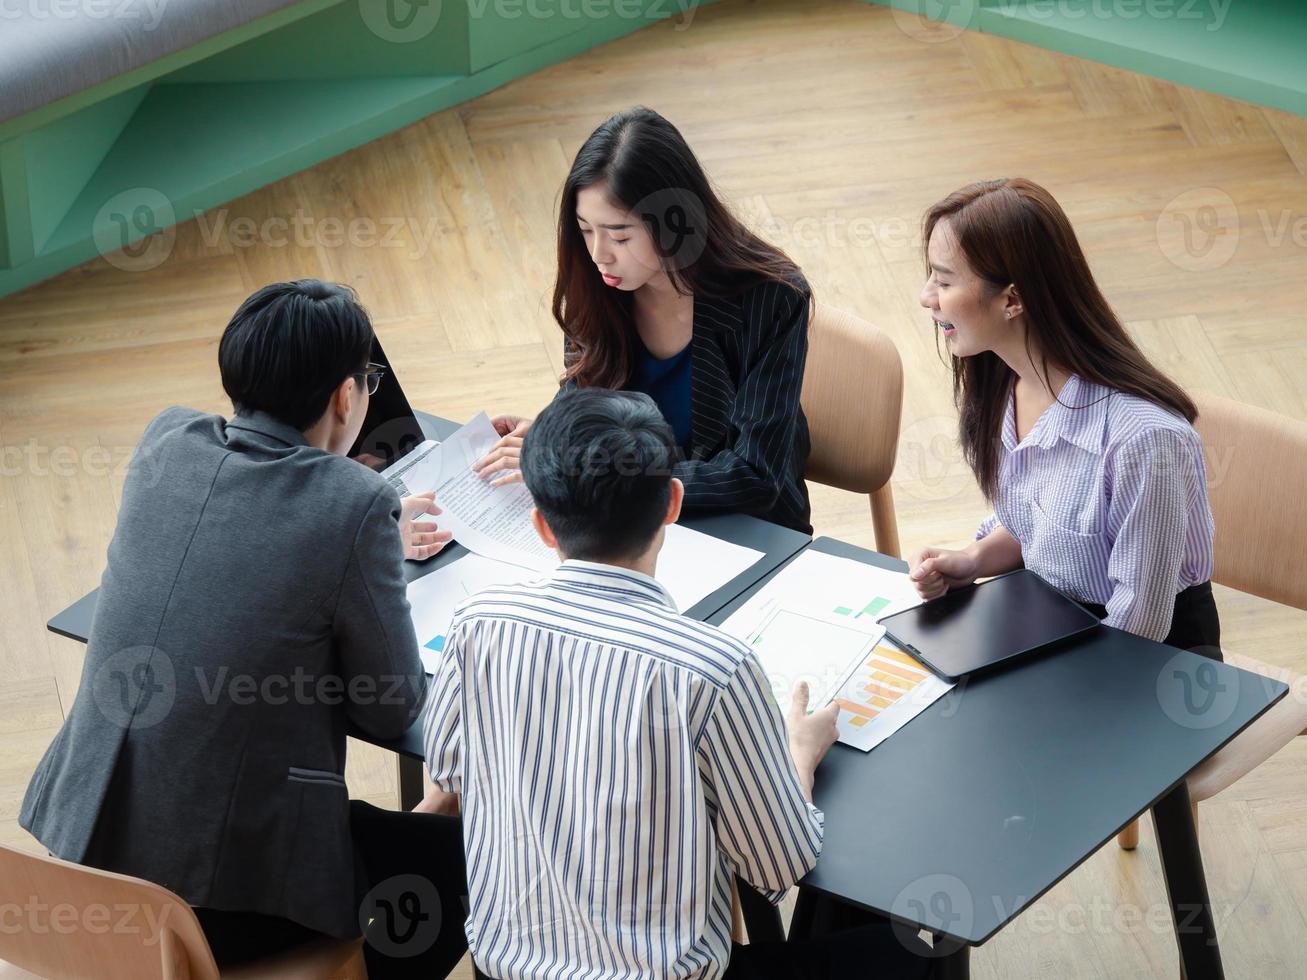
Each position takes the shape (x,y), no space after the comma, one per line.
(378,650)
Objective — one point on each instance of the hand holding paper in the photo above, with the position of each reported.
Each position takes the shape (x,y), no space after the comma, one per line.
(422,539)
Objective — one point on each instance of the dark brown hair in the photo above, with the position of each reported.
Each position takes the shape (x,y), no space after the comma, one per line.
(647,166)
(1012,232)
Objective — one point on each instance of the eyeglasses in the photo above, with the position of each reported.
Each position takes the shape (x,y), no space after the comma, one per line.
(372,376)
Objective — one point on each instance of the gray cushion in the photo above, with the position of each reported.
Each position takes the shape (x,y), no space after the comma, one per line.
(50,49)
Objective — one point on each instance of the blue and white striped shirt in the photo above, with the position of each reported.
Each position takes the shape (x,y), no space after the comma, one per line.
(617,761)
(1107,494)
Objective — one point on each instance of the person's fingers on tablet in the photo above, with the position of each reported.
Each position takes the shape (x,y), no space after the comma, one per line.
(931,587)
(928,569)
(929,579)
(915,560)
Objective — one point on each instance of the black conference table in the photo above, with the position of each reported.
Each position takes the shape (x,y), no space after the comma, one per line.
(993,794)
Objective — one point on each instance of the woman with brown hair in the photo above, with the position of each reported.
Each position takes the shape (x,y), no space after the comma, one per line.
(660,289)
(1085,449)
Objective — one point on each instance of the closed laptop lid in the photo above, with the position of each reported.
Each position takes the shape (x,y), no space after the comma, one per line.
(981,626)
(390,430)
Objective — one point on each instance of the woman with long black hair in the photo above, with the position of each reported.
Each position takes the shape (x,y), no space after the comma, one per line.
(660,289)
(1086,450)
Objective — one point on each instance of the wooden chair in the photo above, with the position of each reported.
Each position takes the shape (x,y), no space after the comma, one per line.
(853,398)
(77,923)
(1256,469)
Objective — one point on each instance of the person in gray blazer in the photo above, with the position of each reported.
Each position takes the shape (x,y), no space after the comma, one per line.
(252,609)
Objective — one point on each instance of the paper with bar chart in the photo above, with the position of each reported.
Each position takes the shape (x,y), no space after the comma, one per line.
(816,621)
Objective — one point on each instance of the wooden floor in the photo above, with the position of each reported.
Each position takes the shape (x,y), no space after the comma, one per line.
(832,126)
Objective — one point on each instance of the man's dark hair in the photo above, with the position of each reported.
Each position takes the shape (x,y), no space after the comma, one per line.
(599,465)
(290,345)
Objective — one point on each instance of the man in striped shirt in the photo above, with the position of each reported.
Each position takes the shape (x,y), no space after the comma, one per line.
(617,762)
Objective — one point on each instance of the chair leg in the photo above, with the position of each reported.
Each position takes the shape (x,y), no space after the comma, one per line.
(883,522)
(1129,837)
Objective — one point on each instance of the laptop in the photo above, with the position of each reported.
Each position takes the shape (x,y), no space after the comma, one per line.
(981,627)
(390,429)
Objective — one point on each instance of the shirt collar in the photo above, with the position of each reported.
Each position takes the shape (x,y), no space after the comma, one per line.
(265,424)
(595,575)
(1079,416)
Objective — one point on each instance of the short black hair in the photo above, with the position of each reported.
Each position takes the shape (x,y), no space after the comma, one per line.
(599,465)
(290,345)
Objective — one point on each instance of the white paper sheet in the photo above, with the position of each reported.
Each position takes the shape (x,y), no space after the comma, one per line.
(495,522)
(816,621)
(434,597)
(694,565)
(417,472)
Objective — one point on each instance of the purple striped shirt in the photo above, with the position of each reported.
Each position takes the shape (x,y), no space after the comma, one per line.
(1107,495)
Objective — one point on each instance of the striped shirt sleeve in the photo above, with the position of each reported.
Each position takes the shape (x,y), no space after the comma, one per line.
(753,470)
(1153,483)
(986,526)
(765,826)
(442,721)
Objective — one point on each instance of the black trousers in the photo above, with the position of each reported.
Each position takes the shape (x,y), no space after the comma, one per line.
(870,952)
(1195,625)
(411,865)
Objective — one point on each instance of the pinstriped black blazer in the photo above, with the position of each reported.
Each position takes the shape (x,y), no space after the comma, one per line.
(748,436)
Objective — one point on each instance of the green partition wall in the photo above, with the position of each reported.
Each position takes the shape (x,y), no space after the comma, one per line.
(1255,50)
(108,167)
